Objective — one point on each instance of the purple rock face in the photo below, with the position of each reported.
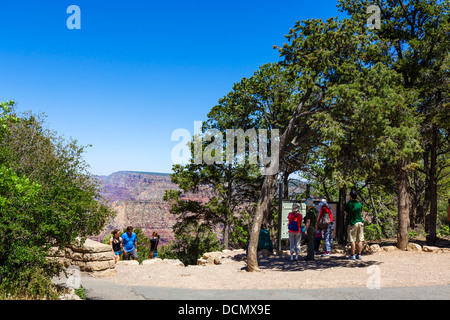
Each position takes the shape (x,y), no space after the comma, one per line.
(137,198)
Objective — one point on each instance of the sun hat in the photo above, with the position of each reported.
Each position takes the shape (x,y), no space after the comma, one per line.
(295,205)
(309,202)
(323,203)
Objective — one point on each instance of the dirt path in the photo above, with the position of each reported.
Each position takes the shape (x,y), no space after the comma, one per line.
(384,269)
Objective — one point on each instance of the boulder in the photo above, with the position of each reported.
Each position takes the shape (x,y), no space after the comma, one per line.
(99,265)
(128,263)
(101,256)
(389,248)
(174,262)
(91,247)
(413,247)
(151,261)
(91,257)
(431,249)
(375,248)
(202,262)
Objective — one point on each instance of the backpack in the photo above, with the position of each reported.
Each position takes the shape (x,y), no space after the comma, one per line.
(294,223)
(324,221)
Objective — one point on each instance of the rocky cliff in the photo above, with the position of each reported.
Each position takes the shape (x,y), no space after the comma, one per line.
(137,198)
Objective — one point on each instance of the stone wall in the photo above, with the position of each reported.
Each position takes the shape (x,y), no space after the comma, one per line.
(92,257)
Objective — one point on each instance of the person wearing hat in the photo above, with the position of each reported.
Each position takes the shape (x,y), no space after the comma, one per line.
(310,227)
(295,231)
(328,228)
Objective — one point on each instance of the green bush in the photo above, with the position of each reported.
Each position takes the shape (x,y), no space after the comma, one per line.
(372,232)
(47,198)
(190,244)
(444,230)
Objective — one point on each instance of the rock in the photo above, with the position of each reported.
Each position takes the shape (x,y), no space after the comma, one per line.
(91,247)
(56,252)
(413,247)
(77,256)
(389,248)
(375,248)
(207,255)
(98,265)
(128,263)
(151,261)
(69,296)
(431,249)
(174,262)
(101,256)
(92,256)
(203,262)
(226,251)
(211,258)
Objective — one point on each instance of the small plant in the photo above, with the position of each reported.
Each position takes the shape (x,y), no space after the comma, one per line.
(81,292)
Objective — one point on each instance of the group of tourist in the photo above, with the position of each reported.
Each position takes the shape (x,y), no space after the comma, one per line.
(126,245)
(319,225)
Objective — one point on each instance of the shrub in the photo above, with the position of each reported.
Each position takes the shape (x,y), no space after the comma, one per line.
(47,198)
(372,232)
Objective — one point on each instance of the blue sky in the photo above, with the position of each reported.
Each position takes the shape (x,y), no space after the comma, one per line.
(136,70)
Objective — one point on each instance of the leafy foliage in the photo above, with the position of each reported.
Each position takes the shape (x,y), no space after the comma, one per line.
(46,199)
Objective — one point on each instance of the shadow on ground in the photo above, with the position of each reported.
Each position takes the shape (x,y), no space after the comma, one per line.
(283,263)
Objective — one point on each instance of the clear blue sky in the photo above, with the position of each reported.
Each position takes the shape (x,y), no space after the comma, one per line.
(136,70)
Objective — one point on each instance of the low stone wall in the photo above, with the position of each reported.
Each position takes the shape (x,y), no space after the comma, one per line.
(92,257)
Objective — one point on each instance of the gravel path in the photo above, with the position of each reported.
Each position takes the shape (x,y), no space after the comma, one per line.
(383,275)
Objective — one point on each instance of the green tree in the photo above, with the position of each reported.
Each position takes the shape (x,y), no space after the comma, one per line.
(416,39)
(48,199)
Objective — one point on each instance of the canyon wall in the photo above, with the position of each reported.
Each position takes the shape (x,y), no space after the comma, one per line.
(137,197)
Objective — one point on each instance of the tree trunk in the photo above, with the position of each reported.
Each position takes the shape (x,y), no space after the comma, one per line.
(286,185)
(375,219)
(267,193)
(268,188)
(432,218)
(403,205)
(226,234)
(340,217)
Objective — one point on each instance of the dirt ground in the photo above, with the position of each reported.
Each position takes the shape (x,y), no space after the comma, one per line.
(383,269)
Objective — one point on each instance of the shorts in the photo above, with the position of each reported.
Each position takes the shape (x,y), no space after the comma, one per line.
(356,232)
(132,253)
(118,253)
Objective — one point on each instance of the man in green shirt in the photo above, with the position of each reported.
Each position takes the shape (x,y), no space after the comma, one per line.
(355,227)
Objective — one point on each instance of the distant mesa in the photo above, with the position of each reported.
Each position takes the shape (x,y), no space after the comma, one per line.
(137,198)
